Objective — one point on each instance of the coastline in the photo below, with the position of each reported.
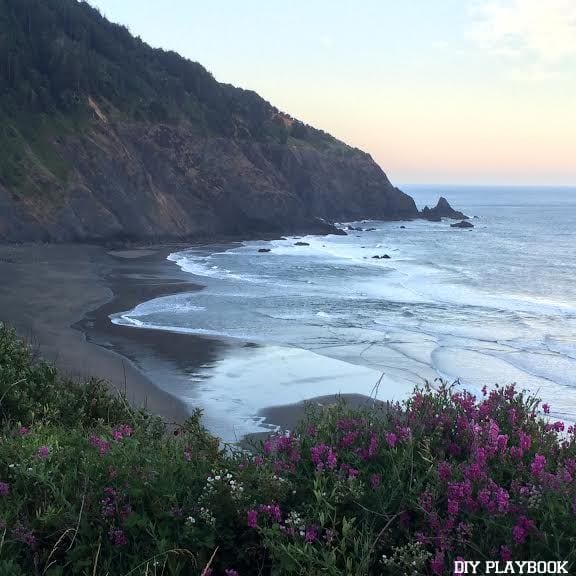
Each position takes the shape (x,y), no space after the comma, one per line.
(47,294)
(60,297)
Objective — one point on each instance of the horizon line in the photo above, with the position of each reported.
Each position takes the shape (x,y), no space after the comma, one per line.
(483,185)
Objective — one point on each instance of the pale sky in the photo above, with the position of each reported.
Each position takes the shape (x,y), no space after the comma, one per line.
(438,91)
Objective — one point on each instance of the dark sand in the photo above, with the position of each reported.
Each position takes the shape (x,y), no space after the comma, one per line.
(60,297)
(49,292)
(288,416)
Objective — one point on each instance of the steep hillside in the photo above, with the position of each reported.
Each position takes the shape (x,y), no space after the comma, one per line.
(103,137)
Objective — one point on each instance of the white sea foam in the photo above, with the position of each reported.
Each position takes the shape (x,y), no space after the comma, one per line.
(204,266)
(234,390)
(494,305)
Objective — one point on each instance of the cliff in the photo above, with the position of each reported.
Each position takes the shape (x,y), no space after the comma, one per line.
(104,137)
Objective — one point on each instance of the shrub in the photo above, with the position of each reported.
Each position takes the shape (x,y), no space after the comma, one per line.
(401,489)
(32,390)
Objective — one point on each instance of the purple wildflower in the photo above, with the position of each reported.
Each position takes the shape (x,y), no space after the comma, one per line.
(353,473)
(311,534)
(373,447)
(444,471)
(502,500)
(391,439)
(404,433)
(502,442)
(252,518)
(4,488)
(521,529)
(437,563)
(122,431)
(272,511)
(102,445)
(538,465)
(453,507)
(525,440)
(24,535)
(117,537)
(231,572)
(43,452)
(484,497)
(318,452)
(23,431)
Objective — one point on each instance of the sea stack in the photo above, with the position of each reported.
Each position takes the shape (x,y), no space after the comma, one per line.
(442,210)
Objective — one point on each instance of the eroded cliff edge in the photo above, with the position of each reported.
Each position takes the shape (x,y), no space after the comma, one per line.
(154,181)
(104,137)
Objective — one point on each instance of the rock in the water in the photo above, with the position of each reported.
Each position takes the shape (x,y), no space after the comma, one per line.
(402,227)
(301,244)
(463,224)
(264,250)
(383,257)
(338,232)
(370,230)
(442,210)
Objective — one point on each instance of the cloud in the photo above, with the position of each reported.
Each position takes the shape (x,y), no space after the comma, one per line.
(545,29)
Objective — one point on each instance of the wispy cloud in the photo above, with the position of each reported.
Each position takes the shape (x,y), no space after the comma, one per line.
(542,29)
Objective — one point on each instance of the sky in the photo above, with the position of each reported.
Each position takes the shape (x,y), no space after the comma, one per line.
(437,91)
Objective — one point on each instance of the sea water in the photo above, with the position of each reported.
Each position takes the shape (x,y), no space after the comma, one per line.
(493,304)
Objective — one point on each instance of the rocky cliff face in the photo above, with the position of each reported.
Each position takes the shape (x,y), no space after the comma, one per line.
(103,137)
(144,181)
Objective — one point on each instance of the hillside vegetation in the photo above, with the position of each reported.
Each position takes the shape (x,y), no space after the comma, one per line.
(103,136)
(89,486)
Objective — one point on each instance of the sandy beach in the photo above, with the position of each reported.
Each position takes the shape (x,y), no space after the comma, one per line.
(47,290)
(60,298)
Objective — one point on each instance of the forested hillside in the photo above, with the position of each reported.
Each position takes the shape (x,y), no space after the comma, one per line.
(103,136)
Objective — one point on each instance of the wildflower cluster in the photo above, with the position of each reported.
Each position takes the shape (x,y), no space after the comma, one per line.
(389,489)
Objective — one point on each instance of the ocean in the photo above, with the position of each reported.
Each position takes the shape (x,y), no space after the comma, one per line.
(494,304)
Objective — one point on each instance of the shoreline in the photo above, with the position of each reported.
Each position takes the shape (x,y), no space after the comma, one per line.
(60,297)
(48,293)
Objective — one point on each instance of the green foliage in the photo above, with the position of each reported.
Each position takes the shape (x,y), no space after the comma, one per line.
(88,487)
(60,57)
(33,391)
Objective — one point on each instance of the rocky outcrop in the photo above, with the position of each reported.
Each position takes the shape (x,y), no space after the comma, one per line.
(463,224)
(143,182)
(442,210)
(103,137)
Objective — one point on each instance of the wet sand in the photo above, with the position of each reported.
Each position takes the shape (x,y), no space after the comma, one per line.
(49,292)
(287,417)
(60,298)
